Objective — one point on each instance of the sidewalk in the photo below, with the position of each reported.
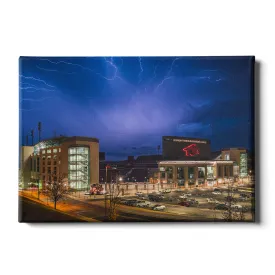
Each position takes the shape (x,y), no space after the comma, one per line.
(62,206)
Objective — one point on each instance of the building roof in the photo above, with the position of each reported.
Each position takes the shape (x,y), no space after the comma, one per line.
(189,139)
(61,139)
(181,162)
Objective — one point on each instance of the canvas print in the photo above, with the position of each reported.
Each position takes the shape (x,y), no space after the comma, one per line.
(136,139)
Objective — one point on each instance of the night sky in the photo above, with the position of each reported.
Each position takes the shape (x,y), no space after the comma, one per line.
(129,103)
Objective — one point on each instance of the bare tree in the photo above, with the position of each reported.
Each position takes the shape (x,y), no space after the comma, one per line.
(56,188)
(114,198)
(231,213)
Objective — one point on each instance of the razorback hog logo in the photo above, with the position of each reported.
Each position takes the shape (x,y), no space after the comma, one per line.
(191,150)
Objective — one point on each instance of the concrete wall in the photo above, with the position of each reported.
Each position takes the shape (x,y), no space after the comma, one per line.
(25,164)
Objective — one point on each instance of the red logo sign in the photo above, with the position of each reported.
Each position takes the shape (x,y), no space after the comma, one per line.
(191,150)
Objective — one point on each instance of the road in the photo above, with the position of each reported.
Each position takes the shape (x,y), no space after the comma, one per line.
(92,209)
(30,211)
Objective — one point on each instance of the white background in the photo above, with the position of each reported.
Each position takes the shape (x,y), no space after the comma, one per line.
(135,28)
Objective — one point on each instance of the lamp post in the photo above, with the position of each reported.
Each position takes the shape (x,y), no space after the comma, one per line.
(105,197)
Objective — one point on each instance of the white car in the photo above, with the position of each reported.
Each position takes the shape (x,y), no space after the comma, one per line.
(166,191)
(210,200)
(182,197)
(216,193)
(139,193)
(236,206)
(159,207)
(143,204)
(188,194)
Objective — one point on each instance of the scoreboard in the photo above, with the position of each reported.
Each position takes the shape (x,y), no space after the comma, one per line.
(185,148)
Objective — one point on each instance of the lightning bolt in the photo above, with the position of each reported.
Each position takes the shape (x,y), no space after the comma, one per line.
(171,67)
(141,69)
(36,89)
(110,62)
(52,70)
(161,83)
(36,79)
(167,76)
(31,99)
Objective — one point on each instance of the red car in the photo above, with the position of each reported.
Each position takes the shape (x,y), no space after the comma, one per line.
(184,203)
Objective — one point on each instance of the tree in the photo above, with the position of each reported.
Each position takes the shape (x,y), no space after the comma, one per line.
(114,199)
(56,188)
(232,214)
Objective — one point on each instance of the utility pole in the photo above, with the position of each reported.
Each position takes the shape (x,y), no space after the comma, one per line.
(39,131)
(32,135)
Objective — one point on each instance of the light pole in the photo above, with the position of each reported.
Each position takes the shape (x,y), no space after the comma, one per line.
(105,197)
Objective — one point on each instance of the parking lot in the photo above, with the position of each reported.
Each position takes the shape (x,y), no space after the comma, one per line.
(205,202)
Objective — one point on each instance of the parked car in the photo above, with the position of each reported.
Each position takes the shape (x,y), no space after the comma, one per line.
(142,204)
(244,195)
(183,197)
(216,193)
(155,197)
(217,190)
(221,207)
(88,193)
(159,207)
(178,190)
(210,200)
(166,191)
(131,202)
(193,202)
(243,198)
(184,203)
(188,194)
(236,206)
(139,193)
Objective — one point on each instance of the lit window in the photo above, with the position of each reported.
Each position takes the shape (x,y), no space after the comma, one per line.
(55,150)
(59,150)
(227,157)
(43,152)
(49,151)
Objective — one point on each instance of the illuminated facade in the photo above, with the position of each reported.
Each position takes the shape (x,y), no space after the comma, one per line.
(196,173)
(240,159)
(75,158)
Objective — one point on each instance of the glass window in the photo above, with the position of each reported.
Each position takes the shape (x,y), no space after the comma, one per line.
(49,151)
(54,150)
(210,172)
(201,172)
(59,150)
(43,151)
(227,157)
(78,167)
(72,151)
(243,164)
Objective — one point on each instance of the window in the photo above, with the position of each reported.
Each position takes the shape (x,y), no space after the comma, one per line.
(43,169)
(243,164)
(210,172)
(227,156)
(180,174)
(49,151)
(54,150)
(59,150)
(78,167)
(43,151)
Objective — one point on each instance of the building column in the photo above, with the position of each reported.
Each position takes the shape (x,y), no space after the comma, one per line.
(158,177)
(175,181)
(205,175)
(196,171)
(222,175)
(185,169)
